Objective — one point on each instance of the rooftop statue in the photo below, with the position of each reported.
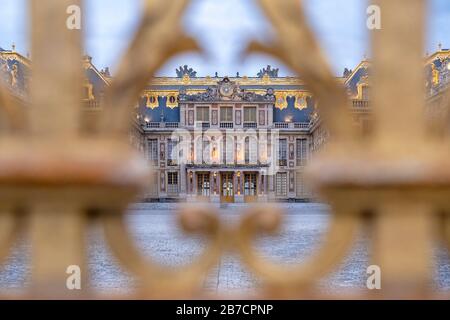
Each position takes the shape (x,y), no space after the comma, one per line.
(273,73)
(347,73)
(185,70)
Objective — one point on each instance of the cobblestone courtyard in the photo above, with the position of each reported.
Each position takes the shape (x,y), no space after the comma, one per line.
(155,231)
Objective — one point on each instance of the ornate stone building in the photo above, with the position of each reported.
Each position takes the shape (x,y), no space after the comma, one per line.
(230,139)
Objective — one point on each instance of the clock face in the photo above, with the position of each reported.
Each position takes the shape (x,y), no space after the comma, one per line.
(226,89)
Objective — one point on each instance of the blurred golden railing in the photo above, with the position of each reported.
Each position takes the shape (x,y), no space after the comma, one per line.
(53,176)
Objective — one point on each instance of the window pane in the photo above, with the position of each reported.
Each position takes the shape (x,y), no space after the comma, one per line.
(301,152)
(172,182)
(226,114)
(250,114)
(203,114)
(281,184)
(153,151)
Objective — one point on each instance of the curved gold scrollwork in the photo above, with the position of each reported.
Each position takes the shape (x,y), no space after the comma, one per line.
(158,38)
(163,281)
(296,46)
(338,240)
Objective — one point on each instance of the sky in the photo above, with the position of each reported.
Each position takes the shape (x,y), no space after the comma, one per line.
(223,28)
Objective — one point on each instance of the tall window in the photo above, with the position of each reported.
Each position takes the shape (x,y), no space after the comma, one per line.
(302,152)
(250,114)
(153,151)
(250,185)
(203,184)
(202,151)
(202,114)
(172,183)
(226,114)
(172,152)
(281,184)
(227,149)
(153,189)
(282,152)
(250,150)
(206,146)
(303,191)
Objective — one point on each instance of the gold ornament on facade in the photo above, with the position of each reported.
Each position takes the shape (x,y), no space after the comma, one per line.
(281,100)
(89,89)
(434,75)
(301,101)
(152,101)
(172,100)
(186,79)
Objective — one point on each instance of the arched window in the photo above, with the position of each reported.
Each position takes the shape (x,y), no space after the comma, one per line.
(203,150)
(251,150)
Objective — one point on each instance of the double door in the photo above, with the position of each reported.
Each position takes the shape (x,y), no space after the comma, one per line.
(227,187)
(250,187)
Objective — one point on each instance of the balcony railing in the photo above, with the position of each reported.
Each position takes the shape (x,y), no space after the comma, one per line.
(360,104)
(158,125)
(301,125)
(171,125)
(153,125)
(250,125)
(292,125)
(203,125)
(91,104)
(226,125)
(281,125)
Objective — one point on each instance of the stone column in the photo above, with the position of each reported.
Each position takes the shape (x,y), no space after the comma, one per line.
(191,187)
(215,191)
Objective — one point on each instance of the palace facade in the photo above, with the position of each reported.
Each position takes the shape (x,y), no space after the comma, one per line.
(230,139)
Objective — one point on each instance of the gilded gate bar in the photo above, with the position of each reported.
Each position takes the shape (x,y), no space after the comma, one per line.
(404,225)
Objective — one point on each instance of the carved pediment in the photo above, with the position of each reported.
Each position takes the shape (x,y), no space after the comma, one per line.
(227,90)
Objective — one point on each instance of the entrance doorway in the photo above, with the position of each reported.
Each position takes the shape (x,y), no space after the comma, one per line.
(250,187)
(203,186)
(226,187)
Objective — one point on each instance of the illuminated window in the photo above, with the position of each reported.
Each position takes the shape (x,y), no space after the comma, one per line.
(282,152)
(203,184)
(172,152)
(251,154)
